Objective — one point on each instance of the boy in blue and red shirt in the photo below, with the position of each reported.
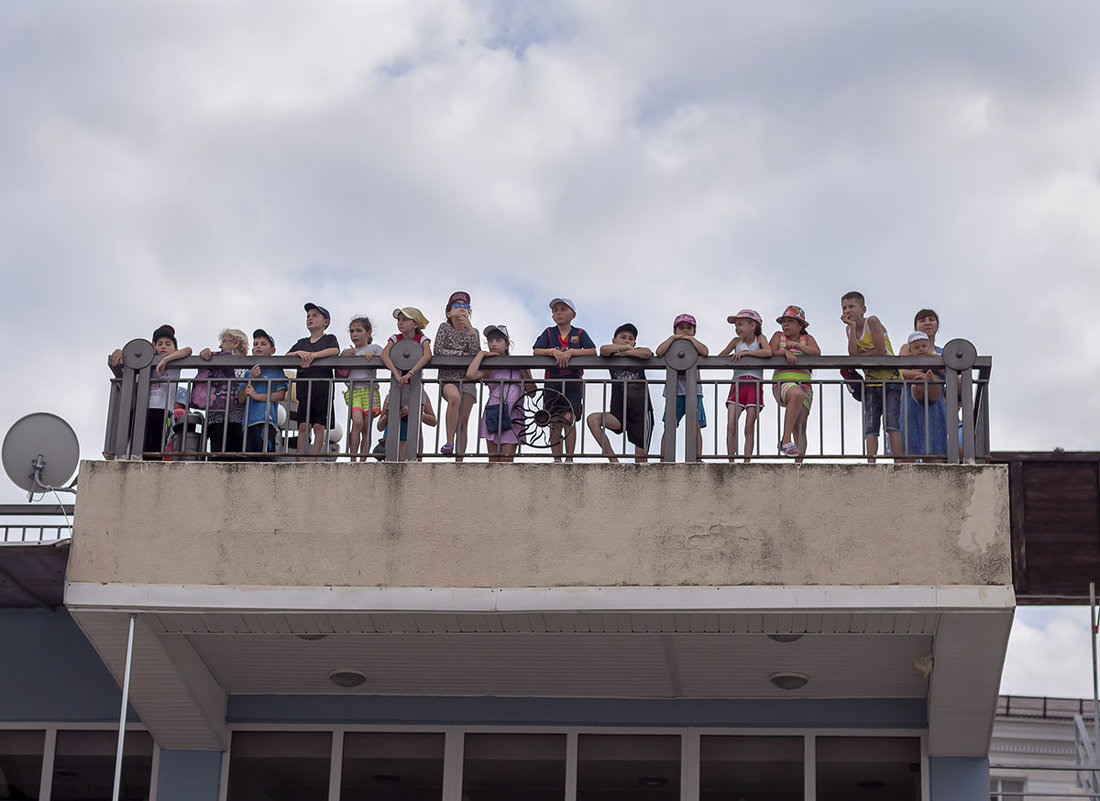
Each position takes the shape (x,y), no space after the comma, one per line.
(563,341)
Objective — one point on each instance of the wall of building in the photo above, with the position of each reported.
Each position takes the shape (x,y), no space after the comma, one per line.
(50,672)
(432,525)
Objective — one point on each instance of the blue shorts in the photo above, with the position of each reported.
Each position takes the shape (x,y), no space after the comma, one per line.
(681,410)
(881,405)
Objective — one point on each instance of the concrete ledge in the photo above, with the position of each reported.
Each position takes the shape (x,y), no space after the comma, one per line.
(537,525)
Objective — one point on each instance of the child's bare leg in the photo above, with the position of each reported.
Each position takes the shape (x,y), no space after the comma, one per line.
(800,434)
(750,432)
(507,452)
(872,448)
(493,450)
(467,403)
(303,439)
(570,438)
(319,439)
(733,411)
(368,428)
(792,411)
(895,444)
(451,396)
(698,440)
(597,421)
(355,437)
(640,455)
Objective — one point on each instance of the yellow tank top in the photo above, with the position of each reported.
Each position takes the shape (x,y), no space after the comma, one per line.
(866,343)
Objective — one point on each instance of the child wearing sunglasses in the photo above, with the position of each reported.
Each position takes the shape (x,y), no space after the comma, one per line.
(457,336)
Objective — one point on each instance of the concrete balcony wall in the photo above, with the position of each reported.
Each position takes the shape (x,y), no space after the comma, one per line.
(539,525)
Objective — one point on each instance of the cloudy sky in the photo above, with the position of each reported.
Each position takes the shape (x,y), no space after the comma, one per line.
(217,164)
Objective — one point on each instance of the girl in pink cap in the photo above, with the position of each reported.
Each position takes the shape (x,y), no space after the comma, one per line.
(746,392)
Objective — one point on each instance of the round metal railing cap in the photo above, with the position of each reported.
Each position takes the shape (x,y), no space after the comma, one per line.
(681,355)
(138,354)
(959,354)
(406,353)
(40,434)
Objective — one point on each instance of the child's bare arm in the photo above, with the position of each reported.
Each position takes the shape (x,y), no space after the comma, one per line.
(639,353)
(386,360)
(763,352)
(613,348)
(664,346)
(726,351)
(162,365)
(811,348)
(427,413)
(878,337)
(473,371)
(699,346)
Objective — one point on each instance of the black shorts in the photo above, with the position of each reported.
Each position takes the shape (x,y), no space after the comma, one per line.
(633,409)
(573,401)
(315,402)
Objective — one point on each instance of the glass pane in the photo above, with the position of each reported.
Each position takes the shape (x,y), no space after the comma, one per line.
(279,766)
(751,768)
(875,768)
(84,765)
(21,763)
(501,767)
(391,766)
(628,767)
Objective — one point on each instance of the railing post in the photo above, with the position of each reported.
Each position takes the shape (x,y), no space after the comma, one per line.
(680,358)
(404,355)
(958,357)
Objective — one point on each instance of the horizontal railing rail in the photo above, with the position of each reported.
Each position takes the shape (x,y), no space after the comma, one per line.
(19,523)
(961,429)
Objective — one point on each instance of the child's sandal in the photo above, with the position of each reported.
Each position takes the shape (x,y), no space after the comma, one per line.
(789,449)
(447,449)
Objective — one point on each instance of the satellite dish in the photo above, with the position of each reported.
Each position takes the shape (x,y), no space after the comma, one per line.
(40,453)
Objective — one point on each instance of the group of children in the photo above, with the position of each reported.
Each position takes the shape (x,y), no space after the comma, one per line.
(241,405)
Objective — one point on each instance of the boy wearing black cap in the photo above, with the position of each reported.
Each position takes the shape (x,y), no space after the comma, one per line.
(631,410)
(314,387)
(164,396)
(261,399)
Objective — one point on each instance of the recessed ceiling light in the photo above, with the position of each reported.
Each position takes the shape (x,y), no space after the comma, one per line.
(788,680)
(386,778)
(653,781)
(311,637)
(347,678)
(785,637)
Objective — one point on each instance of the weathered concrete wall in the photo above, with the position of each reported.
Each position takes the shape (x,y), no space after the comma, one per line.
(538,525)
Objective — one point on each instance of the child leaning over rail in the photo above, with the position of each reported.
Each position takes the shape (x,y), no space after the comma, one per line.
(684,327)
(924,412)
(165,397)
(212,391)
(261,400)
(361,396)
(456,336)
(502,422)
(631,411)
(791,385)
(882,399)
(565,399)
(747,391)
(314,387)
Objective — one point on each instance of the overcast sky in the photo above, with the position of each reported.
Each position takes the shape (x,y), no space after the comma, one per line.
(217,164)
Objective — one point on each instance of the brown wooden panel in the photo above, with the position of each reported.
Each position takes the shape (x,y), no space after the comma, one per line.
(1054,508)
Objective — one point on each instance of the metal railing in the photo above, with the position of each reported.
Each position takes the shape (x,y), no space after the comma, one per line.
(14,529)
(831,435)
